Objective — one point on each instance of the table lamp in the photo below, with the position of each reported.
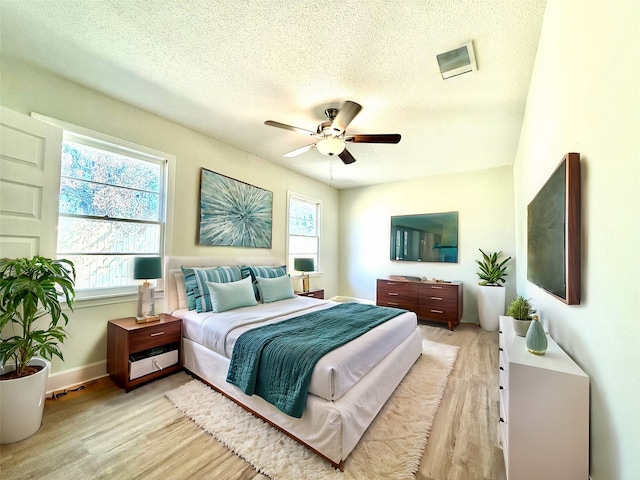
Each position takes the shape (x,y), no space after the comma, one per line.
(146,268)
(304,265)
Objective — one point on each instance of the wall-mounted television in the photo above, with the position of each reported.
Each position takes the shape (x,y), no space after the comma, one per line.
(553,233)
(427,237)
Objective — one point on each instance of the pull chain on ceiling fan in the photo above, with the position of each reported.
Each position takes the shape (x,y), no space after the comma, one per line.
(332,136)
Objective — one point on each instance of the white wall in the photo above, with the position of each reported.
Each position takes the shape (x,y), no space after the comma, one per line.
(25,88)
(484,202)
(585,97)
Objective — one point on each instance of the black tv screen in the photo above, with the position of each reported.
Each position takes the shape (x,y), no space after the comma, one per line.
(553,233)
(428,237)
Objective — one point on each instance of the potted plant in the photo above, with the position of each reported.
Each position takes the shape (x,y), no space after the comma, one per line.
(491,293)
(521,310)
(31,292)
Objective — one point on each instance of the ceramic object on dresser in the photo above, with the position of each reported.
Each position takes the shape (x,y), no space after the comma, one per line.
(536,339)
(522,312)
(521,327)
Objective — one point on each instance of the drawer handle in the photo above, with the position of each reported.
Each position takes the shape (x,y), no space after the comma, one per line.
(436,298)
(502,369)
(502,420)
(391,293)
(436,311)
(392,303)
(157,333)
(440,288)
(500,348)
(501,387)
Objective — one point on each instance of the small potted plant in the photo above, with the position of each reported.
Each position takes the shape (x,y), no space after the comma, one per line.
(522,312)
(491,294)
(32,292)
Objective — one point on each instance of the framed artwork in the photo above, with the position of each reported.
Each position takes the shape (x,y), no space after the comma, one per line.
(233,213)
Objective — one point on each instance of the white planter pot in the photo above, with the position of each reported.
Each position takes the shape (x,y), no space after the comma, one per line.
(490,306)
(22,402)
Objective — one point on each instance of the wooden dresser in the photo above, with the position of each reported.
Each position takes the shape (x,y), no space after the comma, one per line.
(433,301)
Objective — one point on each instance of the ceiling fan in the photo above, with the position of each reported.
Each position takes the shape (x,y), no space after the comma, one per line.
(332,136)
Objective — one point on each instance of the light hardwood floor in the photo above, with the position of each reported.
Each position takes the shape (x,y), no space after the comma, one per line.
(101,432)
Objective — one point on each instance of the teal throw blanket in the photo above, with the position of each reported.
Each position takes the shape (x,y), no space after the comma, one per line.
(275,361)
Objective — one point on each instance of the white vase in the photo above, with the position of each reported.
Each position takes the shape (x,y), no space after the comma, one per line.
(490,306)
(22,402)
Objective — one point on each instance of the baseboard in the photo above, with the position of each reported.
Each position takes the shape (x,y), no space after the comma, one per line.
(75,376)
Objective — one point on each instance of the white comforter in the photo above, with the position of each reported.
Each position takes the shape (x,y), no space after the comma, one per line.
(335,373)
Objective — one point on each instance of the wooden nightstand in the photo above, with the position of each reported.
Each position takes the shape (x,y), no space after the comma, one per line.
(312,293)
(140,352)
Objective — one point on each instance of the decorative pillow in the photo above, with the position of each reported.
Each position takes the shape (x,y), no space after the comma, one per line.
(195,284)
(230,295)
(274,289)
(264,272)
(182,292)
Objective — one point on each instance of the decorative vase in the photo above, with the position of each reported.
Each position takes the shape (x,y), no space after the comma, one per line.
(490,306)
(536,339)
(22,402)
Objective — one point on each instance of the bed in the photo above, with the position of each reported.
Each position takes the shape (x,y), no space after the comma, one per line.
(348,386)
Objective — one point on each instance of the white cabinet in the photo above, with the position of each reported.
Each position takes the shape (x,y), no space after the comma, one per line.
(544,411)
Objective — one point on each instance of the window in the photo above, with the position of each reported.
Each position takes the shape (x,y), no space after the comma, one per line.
(303,229)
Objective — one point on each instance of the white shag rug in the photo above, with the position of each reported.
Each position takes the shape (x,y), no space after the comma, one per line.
(391,448)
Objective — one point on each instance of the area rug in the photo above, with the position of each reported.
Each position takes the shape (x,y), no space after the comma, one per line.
(391,448)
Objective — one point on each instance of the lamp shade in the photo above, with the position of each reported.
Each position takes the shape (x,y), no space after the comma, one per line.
(303,264)
(147,267)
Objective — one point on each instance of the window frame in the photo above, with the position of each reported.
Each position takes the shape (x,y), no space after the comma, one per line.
(318,203)
(102,141)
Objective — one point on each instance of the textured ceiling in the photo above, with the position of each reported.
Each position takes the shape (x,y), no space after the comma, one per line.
(223,67)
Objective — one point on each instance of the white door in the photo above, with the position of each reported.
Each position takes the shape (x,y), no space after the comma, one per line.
(30,153)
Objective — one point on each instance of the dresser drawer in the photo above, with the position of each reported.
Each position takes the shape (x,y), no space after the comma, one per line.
(148,337)
(397,294)
(442,291)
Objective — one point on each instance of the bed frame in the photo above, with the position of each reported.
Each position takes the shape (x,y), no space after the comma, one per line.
(332,429)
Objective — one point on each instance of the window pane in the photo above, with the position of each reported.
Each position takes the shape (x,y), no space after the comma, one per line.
(103,271)
(92,164)
(303,245)
(83,198)
(302,218)
(81,235)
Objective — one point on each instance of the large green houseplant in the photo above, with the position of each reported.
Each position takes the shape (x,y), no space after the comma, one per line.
(31,314)
(491,296)
(492,270)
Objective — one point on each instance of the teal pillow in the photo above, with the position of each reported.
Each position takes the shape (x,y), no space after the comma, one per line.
(264,272)
(195,284)
(274,289)
(230,295)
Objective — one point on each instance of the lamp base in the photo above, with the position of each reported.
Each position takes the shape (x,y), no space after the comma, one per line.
(305,283)
(151,318)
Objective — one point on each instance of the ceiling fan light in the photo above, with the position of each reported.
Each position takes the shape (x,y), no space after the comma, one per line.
(330,146)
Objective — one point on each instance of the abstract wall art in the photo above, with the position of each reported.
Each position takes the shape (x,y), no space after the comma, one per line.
(233,213)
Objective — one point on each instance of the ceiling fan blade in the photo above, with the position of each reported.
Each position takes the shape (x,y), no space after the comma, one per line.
(346,157)
(373,138)
(298,151)
(271,123)
(345,115)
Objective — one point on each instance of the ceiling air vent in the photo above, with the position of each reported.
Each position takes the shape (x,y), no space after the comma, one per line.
(457,61)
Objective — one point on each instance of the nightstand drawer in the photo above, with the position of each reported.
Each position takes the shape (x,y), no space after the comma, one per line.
(151,336)
(154,363)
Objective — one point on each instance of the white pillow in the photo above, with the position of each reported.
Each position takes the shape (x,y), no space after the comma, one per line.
(182,291)
(274,289)
(230,295)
